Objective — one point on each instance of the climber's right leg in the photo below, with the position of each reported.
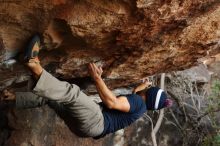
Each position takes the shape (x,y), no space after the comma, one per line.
(29,100)
(23,99)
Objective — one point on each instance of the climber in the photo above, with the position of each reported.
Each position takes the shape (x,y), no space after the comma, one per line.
(93,118)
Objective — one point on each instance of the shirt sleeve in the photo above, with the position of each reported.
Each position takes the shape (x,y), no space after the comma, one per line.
(134,102)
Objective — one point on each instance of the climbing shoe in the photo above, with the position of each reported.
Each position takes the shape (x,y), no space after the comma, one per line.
(32,49)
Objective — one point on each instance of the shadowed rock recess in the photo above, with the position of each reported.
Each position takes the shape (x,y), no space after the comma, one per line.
(131,39)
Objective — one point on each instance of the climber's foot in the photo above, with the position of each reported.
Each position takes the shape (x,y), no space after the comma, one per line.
(31,56)
(35,67)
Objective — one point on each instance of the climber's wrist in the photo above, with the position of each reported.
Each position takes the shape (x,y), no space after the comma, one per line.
(97,78)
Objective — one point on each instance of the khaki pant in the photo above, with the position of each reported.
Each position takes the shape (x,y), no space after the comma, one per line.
(83,110)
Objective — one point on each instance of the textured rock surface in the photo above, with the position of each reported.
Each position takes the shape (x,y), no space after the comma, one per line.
(130,38)
(41,127)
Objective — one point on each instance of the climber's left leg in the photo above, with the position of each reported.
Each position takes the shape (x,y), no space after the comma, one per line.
(29,100)
(23,99)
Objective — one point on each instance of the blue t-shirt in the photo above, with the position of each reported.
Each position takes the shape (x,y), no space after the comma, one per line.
(115,120)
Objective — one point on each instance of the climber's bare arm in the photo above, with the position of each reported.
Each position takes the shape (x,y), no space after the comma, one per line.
(146,83)
(109,99)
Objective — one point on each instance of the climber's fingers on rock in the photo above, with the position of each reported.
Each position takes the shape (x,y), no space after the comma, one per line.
(8,94)
(147,82)
(5,92)
(95,66)
(95,71)
(100,69)
(90,66)
(11,97)
(92,70)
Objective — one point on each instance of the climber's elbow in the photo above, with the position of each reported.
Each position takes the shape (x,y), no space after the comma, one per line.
(111,103)
(120,103)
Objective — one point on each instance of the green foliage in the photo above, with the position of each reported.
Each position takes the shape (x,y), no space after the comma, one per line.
(216,88)
(212,141)
(217,139)
(214,105)
(214,98)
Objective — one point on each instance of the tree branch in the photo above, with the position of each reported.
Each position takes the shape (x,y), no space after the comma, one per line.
(161,115)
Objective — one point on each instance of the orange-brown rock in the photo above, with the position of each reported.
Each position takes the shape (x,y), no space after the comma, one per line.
(131,39)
